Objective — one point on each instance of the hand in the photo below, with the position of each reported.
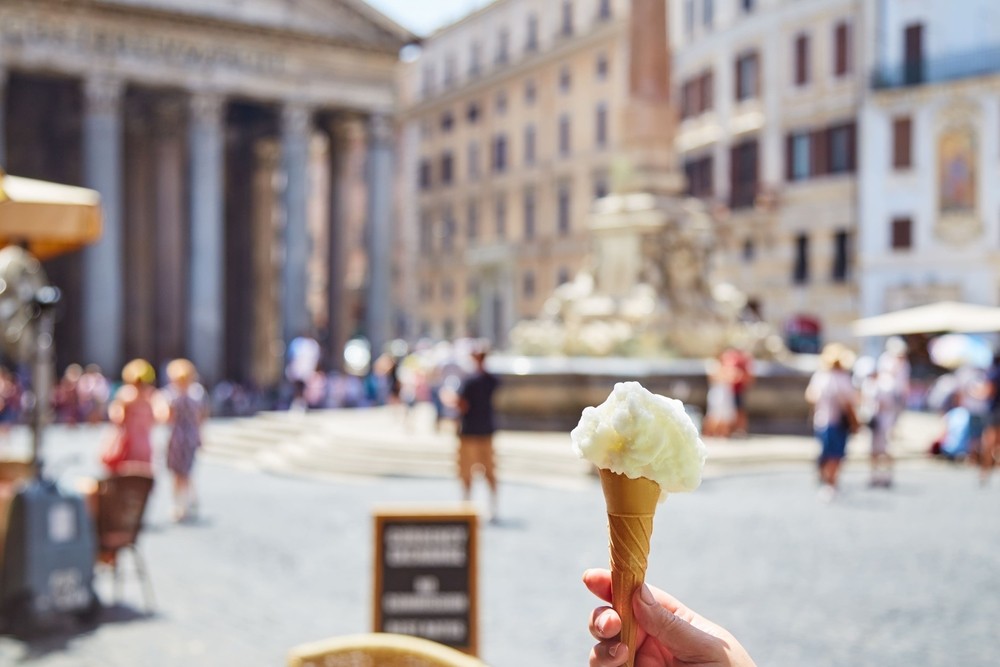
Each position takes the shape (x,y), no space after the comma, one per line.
(670,634)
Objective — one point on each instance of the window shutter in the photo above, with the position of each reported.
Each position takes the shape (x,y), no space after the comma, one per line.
(819,153)
(852,146)
(790,157)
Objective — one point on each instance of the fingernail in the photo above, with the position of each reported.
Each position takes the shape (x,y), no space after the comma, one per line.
(646,595)
(613,650)
(600,625)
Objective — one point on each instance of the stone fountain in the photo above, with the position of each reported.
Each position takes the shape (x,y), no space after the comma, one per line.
(646,308)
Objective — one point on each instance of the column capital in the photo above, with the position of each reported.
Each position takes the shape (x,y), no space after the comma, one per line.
(380,127)
(207,107)
(103,93)
(346,127)
(295,118)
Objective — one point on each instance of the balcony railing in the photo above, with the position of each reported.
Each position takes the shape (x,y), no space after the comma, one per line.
(968,64)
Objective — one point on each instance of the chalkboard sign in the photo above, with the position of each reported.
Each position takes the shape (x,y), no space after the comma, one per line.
(425,574)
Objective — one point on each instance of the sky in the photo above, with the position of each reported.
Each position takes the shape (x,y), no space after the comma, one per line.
(425,16)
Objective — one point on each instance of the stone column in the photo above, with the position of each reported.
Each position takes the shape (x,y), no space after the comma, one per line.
(346,133)
(206,303)
(380,198)
(103,274)
(3,116)
(296,122)
(169,234)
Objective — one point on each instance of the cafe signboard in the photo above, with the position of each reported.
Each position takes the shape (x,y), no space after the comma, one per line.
(425,574)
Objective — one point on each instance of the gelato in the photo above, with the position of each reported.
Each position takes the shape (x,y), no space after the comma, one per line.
(640,434)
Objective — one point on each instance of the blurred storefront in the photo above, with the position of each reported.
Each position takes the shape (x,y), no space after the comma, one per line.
(243,156)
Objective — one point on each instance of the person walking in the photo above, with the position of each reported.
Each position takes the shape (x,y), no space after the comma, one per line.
(133,414)
(476,428)
(186,413)
(991,433)
(832,396)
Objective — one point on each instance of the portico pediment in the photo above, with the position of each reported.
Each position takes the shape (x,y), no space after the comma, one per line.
(349,21)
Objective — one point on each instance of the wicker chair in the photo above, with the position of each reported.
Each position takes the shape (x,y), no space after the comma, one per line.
(379,649)
(121,503)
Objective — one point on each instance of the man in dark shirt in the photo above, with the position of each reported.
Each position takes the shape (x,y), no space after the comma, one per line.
(475,434)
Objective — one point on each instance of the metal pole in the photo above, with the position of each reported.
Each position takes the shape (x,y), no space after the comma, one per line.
(43,370)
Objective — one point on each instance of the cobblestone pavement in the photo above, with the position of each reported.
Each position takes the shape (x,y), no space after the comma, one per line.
(904,577)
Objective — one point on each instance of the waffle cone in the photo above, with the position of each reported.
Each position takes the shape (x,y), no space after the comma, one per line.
(631,505)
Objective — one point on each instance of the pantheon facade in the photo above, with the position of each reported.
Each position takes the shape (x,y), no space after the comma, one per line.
(243,152)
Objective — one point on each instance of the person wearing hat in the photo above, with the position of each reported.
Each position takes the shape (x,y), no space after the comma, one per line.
(186,412)
(133,414)
(834,418)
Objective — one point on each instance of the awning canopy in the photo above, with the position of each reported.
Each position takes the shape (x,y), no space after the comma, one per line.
(48,218)
(937,317)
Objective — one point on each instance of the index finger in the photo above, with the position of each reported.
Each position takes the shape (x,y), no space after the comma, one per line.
(598,582)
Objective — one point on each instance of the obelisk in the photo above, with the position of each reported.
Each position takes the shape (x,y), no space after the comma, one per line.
(646,185)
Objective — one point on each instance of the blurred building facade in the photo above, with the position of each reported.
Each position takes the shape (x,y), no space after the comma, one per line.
(510,125)
(243,155)
(930,215)
(769,93)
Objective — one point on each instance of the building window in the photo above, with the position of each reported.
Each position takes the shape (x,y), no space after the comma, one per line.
(841,256)
(500,153)
(448,230)
(427,81)
(601,126)
(503,47)
(601,189)
(747,76)
(472,221)
(500,217)
(447,162)
(563,209)
(501,102)
(529,92)
(604,10)
(699,177)
(902,142)
(801,60)
(743,174)
(749,251)
(425,174)
(447,121)
(529,145)
(913,53)
(565,79)
(842,49)
(902,233)
(566,27)
(800,271)
(475,56)
(531,42)
(697,95)
(842,148)
(529,214)
(528,285)
(798,161)
(426,233)
(564,135)
(708,13)
(472,113)
(473,158)
(602,67)
(449,70)
(747,6)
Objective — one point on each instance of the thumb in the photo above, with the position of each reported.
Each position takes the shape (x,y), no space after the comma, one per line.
(671,631)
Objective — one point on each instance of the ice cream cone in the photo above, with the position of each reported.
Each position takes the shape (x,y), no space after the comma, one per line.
(631,505)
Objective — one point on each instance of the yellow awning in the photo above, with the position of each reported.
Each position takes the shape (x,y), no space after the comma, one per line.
(49,218)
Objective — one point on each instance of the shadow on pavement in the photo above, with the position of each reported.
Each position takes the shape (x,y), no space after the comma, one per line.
(55,635)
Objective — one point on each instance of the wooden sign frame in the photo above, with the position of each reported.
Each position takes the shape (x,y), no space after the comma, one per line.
(430,516)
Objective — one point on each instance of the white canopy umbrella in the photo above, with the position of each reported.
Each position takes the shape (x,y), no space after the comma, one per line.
(944,316)
(48,218)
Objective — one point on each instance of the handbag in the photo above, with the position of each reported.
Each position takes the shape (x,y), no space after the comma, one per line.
(115,452)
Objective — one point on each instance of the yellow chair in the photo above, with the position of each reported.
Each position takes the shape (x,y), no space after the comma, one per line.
(379,649)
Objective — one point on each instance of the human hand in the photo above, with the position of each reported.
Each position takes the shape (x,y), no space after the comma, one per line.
(669,635)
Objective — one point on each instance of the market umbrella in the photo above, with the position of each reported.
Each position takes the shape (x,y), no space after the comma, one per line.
(48,218)
(944,316)
(958,350)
